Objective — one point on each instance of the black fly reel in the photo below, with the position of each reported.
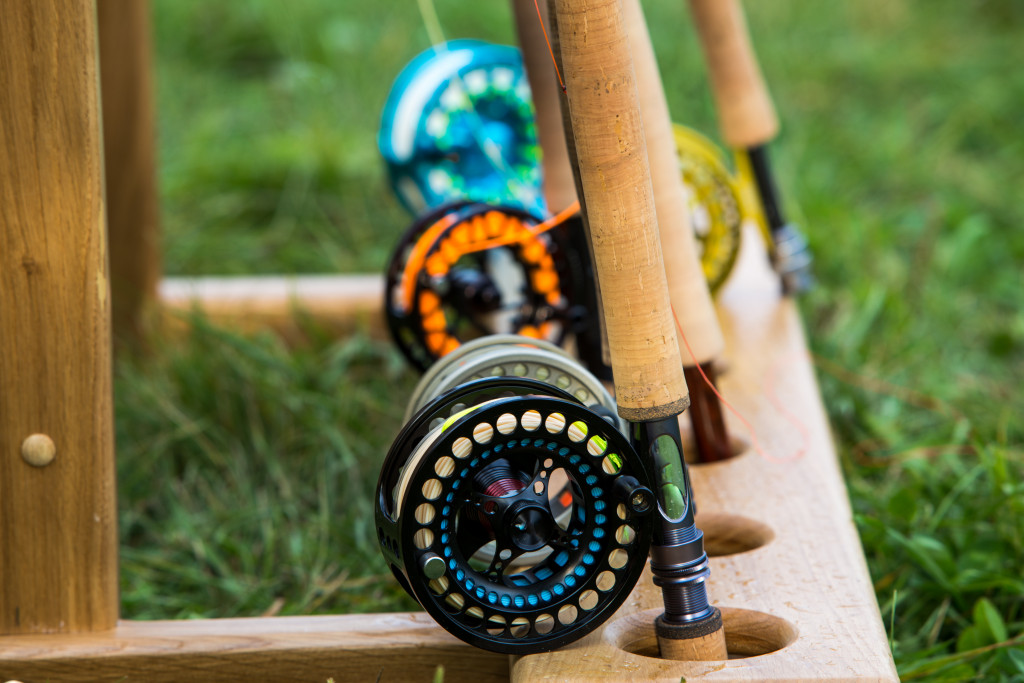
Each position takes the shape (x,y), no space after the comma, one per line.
(467,270)
(517,516)
(509,355)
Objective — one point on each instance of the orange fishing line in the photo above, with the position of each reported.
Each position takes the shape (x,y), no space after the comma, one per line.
(550,51)
(754,441)
(543,227)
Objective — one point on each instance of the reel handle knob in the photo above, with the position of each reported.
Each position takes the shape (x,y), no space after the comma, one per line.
(634,495)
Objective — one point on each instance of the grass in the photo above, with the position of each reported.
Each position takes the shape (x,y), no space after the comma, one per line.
(246,468)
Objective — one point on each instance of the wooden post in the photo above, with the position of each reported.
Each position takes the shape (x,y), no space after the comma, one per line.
(559,186)
(133,208)
(58,533)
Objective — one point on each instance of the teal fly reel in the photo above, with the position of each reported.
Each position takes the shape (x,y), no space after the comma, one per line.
(458,125)
(511,507)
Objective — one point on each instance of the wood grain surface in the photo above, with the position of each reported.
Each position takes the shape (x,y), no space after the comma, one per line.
(745,111)
(58,535)
(389,648)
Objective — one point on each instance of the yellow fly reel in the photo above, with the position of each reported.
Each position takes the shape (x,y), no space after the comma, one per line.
(720,202)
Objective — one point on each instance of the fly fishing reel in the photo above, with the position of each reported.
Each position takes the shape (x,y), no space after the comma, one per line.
(458,124)
(508,355)
(516,515)
(719,203)
(468,270)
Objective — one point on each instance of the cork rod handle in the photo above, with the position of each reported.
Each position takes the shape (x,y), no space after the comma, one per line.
(745,111)
(687,286)
(616,186)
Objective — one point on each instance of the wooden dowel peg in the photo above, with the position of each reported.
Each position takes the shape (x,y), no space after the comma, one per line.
(38,450)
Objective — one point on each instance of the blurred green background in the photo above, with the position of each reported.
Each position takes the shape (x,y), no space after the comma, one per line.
(246,468)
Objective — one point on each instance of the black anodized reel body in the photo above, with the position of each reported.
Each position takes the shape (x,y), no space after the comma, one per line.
(521,524)
(468,270)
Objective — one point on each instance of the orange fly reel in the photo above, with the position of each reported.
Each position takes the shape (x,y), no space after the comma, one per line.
(467,270)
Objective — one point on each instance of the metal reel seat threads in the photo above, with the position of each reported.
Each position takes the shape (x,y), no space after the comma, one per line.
(489,479)
(475,270)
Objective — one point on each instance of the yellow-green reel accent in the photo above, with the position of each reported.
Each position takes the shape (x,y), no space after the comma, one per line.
(719,202)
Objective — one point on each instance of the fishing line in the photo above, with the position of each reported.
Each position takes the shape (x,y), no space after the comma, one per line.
(538,229)
(551,52)
(770,384)
(755,443)
(430,22)
(437,231)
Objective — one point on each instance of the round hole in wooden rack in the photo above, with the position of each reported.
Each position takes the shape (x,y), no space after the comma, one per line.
(748,633)
(726,534)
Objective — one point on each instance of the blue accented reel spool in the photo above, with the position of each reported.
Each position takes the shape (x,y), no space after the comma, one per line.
(518,517)
(458,124)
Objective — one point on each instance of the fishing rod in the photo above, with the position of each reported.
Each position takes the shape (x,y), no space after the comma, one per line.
(687,286)
(511,501)
(749,123)
(605,133)
(558,182)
